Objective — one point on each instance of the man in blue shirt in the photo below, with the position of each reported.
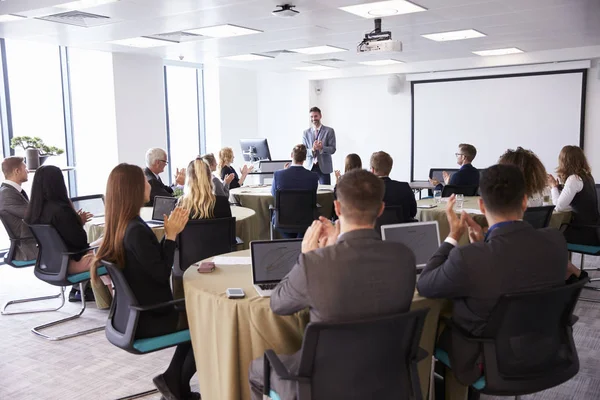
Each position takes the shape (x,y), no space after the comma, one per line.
(467,175)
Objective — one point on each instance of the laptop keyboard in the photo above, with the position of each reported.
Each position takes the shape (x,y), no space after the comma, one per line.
(267,286)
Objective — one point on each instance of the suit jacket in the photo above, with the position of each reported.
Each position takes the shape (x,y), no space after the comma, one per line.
(147,269)
(222,208)
(13,207)
(400,194)
(64,218)
(327,136)
(358,277)
(221,188)
(294,178)
(226,170)
(467,175)
(157,187)
(515,258)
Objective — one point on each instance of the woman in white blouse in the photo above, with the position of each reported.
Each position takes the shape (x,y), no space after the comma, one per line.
(533,171)
(578,195)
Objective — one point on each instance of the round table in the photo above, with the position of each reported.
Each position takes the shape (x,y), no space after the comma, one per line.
(228,334)
(471,206)
(259,199)
(245,225)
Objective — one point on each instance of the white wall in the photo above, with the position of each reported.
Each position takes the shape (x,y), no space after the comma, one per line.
(139,106)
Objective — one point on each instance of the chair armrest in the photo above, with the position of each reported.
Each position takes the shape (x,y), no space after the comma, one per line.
(573,320)
(72,253)
(157,306)
(421,354)
(280,369)
(238,240)
(271,207)
(318,205)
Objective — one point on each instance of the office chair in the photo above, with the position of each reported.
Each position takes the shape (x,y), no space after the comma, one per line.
(52,267)
(528,342)
(123,319)
(391,215)
(370,359)
(449,190)
(9,259)
(538,217)
(294,211)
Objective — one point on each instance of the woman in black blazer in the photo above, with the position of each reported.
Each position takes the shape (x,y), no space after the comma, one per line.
(225,159)
(147,265)
(199,197)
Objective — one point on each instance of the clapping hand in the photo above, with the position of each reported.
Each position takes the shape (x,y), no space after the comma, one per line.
(329,233)
(310,241)
(552,182)
(286,166)
(434,181)
(84,216)
(458,226)
(446,176)
(475,230)
(228,178)
(180,176)
(338,175)
(175,222)
(315,146)
(319,145)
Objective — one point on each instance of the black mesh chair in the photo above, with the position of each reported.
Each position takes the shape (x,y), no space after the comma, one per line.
(370,359)
(449,190)
(123,320)
(538,217)
(391,215)
(93,203)
(9,258)
(528,342)
(52,267)
(294,211)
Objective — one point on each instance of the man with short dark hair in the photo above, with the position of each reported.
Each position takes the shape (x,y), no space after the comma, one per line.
(511,257)
(467,175)
(13,205)
(345,272)
(396,193)
(320,142)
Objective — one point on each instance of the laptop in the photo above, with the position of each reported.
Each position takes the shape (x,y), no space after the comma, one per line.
(163,205)
(272,260)
(272,166)
(423,238)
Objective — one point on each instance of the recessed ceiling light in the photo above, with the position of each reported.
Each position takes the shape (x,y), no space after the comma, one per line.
(454,35)
(141,42)
(248,57)
(380,62)
(498,52)
(383,9)
(10,18)
(82,4)
(221,31)
(319,50)
(314,68)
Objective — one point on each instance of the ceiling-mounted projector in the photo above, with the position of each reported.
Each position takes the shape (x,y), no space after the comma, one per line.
(285,10)
(378,40)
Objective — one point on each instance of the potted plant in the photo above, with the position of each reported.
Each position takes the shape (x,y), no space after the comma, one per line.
(36,151)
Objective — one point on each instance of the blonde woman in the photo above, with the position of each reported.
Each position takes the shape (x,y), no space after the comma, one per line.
(198,194)
(225,159)
(221,188)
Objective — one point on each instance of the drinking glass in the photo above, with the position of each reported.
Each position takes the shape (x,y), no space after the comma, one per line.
(460,200)
(437,196)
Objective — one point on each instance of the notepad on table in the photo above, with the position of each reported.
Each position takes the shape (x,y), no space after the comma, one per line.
(224,260)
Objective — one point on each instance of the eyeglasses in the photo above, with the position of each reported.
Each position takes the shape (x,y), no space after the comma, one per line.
(458,154)
(165,161)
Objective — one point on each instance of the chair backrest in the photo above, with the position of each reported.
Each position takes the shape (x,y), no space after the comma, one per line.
(538,217)
(93,203)
(10,255)
(370,359)
(122,320)
(598,195)
(391,215)
(203,238)
(455,189)
(53,258)
(531,346)
(295,209)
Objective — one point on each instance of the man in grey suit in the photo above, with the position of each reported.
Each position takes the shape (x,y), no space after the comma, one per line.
(345,272)
(13,205)
(320,141)
(511,257)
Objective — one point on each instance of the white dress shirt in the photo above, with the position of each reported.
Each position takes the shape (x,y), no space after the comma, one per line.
(13,184)
(562,199)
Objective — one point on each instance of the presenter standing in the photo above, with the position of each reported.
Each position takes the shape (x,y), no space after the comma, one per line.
(320,142)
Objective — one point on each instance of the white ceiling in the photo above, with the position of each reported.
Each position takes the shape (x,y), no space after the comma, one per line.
(531,25)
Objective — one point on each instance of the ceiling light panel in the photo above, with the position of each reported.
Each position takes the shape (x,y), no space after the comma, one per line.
(10,18)
(222,31)
(383,9)
(319,50)
(454,35)
(140,42)
(498,52)
(314,68)
(83,4)
(379,63)
(248,57)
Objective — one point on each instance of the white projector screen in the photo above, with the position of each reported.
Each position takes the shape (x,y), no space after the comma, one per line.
(539,112)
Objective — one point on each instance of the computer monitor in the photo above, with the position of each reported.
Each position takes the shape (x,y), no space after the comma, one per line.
(255,149)
(423,238)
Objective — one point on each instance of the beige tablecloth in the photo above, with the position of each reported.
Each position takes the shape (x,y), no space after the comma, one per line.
(228,334)
(245,225)
(259,199)
(470,205)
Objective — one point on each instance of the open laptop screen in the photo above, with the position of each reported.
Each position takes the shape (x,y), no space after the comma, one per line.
(422,238)
(163,206)
(273,260)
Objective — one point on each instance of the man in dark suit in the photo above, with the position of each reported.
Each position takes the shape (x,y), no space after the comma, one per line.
(467,175)
(511,257)
(13,205)
(156,161)
(396,193)
(294,177)
(345,272)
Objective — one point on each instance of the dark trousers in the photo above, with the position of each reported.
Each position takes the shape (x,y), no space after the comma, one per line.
(324,179)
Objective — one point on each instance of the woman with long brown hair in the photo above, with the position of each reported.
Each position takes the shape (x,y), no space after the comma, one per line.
(533,171)
(146,264)
(198,194)
(578,195)
(352,161)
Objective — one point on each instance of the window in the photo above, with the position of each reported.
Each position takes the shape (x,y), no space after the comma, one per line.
(185,115)
(93,118)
